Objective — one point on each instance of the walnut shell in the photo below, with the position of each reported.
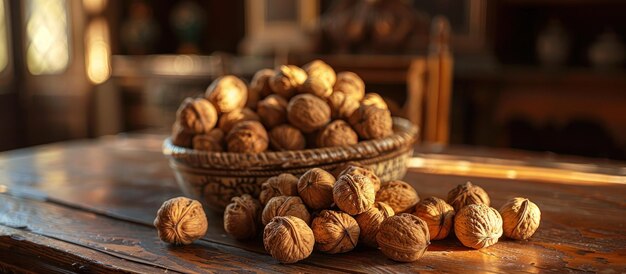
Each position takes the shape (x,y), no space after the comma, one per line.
(308,113)
(286,137)
(242,217)
(288,239)
(272,110)
(350,84)
(341,167)
(319,69)
(467,194)
(438,214)
(196,116)
(180,137)
(354,194)
(370,220)
(478,226)
(181,221)
(341,106)
(316,86)
(335,232)
(371,122)
(337,133)
(365,171)
(227,93)
(399,195)
(315,187)
(282,185)
(212,141)
(228,120)
(285,206)
(403,237)
(520,218)
(287,80)
(374,99)
(247,137)
(259,87)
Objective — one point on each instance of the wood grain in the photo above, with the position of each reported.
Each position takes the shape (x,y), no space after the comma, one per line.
(28,252)
(102,196)
(135,243)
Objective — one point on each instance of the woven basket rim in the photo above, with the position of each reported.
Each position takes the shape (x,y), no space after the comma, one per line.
(405,134)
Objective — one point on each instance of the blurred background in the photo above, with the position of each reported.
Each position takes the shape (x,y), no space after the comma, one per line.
(539,75)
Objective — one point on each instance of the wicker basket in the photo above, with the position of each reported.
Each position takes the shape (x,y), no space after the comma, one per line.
(215,177)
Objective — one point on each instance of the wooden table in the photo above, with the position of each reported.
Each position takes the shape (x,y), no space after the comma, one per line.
(88,206)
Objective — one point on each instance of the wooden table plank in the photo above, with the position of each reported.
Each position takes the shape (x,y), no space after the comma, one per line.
(583,226)
(131,242)
(29,252)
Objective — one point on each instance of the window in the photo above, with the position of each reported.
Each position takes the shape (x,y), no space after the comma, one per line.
(4,38)
(97,51)
(47,45)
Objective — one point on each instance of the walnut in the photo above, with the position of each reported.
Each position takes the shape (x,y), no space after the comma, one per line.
(241,217)
(365,171)
(308,113)
(351,84)
(272,110)
(227,93)
(196,115)
(212,141)
(180,221)
(316,86)
(403,237)
(478,226)
(341,167)
(466,194)
(374,99)
(285,206)
(247,137)
(180,137)
(287,137)
(371,122)
(282,185)
(399,195)
(438,215)
(337,133)
(228,120)
(315,187)
(319,69)
(354,194)
(259,87)
(287,80)
(520,218)
(341,106)
(335,232)
(288,239)
(370,220)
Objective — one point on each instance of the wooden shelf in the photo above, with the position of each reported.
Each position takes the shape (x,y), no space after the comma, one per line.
(512,74)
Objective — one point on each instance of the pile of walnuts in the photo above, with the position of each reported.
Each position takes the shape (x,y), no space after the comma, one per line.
(319,211)
(289,108)
(333,212)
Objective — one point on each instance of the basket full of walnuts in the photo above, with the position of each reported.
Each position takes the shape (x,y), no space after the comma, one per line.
(288,120)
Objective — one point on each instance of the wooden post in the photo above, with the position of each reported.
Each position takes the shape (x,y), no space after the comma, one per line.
(439,93)
(416,84)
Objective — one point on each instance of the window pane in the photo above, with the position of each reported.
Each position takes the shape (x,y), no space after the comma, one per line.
(97,51)
(47,47)
(4,39)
